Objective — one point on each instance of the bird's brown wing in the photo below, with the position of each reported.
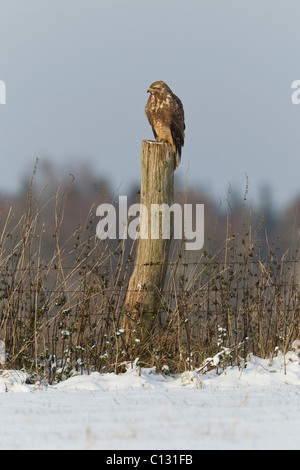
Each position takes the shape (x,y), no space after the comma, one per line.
(178,125)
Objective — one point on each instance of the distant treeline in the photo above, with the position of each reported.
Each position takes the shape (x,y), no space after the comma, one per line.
(81,195)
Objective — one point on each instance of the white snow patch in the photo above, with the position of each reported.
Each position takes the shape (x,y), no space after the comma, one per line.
(251,407)
(13,381)
(191,378)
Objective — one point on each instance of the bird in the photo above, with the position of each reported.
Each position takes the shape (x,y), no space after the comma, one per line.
(165,114)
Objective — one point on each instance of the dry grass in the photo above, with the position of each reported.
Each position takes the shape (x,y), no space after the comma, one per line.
(61,299)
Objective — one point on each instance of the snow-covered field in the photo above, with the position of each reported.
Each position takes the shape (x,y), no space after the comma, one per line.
(253,408)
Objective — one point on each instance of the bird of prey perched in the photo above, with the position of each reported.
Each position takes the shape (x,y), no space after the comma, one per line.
(165,114)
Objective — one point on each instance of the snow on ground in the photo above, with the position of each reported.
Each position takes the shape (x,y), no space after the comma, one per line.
(257,407)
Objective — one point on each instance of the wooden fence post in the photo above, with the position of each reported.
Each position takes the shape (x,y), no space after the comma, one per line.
(145,289)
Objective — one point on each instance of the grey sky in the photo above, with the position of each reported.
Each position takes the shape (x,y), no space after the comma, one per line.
(77,72)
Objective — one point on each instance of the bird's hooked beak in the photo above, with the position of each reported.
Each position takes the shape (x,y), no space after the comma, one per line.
(150,90)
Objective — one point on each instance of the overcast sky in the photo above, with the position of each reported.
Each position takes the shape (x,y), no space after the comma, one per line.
(77,72)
